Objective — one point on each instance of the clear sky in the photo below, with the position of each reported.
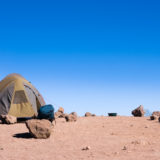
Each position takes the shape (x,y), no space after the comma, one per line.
(85,55)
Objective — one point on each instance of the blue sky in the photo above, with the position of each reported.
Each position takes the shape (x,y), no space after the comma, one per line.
(98,56)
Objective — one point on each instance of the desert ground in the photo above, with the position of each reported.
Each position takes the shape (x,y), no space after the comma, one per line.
(107,138)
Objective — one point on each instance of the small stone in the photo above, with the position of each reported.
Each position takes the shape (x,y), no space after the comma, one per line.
(146,126)
(61,109)
(116,153)
(86,148)
(71,118)
(88,114)
(59,115)
(74,113)
(124,148)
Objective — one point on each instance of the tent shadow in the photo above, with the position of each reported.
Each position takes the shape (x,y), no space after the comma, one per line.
(25,135)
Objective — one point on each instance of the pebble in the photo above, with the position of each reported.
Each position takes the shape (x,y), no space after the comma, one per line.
(86,148)
(124,148)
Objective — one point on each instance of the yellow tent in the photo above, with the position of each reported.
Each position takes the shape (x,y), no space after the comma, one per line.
(18,97)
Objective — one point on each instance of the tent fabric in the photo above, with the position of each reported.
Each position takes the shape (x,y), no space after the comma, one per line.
(18,97)
(5,99)
(31,97)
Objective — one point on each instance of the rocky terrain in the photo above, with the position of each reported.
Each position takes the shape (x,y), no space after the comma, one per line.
(89,138)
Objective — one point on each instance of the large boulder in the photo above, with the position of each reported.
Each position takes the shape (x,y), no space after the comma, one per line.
(138,112)
(8,119)
(40,129)
(155,115)
(71,117)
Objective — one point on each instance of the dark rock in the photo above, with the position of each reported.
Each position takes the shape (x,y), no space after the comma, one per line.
(138,112)
(153,117)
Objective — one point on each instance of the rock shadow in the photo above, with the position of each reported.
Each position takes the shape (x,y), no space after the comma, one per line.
(25,135)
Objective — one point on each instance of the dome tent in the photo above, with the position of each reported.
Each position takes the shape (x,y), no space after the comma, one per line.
(18,97)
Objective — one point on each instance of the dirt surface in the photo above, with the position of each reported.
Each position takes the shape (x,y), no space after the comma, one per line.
(90,138)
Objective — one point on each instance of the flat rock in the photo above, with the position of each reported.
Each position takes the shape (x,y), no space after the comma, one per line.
(40,129)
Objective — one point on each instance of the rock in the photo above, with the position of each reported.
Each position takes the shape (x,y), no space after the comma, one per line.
(140,142)
(124,148)
(62,115)
(88,114)
(138,112)
(61,109)
(40,129)
(8,119)
(116,153)
(146,126)
(59,115)
(155,115)
(71,118)
(86,148)
(74,113)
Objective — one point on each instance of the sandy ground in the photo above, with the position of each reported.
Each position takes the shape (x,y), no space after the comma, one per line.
(109,138)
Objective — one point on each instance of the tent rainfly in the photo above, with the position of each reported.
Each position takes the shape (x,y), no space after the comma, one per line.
(18,97)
